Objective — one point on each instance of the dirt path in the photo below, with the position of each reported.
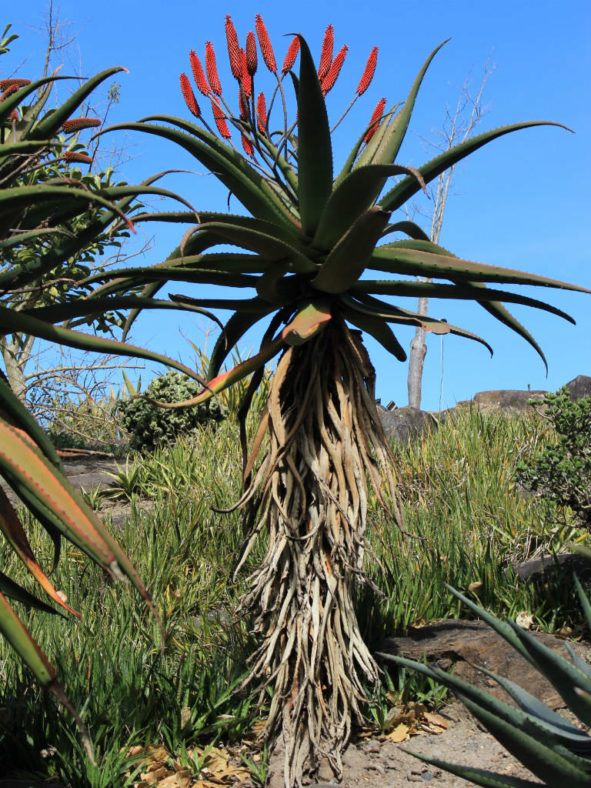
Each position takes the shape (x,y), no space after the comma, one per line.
(384,764)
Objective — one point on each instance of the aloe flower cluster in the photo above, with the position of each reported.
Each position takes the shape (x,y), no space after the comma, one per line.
(252,108)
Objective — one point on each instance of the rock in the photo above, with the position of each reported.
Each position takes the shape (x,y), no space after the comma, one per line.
(404,424)
(579,387)
(544,568)
(465,644)
(507,400)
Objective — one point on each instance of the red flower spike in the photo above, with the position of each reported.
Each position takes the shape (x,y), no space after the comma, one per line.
(211,69)
(8,92)
(328,82)
(375,118)
(71,155)
(262,113)
(233,48)
(8,83)
(265,44)
(251,53)
(367,76)
(246,81)
(13,117)
(326,53)
(247,145)
(291,55)
(198,74)
(220,120)
(76,124)
(188,95)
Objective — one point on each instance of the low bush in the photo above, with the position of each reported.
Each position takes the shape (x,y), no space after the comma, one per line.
(150,426)
(562,472)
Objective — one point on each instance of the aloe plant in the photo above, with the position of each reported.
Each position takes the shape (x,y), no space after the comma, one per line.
(553,749)
(32,210)
(304,239)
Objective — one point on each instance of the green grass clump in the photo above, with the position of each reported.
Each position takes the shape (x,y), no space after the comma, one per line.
(466,521)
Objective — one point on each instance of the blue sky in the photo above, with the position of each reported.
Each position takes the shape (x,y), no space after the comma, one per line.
(521,202)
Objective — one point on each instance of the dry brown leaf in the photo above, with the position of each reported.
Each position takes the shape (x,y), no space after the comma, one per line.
(400,733)
(436,720)
(178,780)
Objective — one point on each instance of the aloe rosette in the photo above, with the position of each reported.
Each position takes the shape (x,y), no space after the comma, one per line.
(36,214)
(319,256)
(555,750)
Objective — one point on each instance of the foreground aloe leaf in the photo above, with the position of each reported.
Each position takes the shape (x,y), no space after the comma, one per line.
(556,751)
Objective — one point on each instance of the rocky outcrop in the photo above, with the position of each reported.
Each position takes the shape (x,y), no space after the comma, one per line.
(465,645)
(508,400)
(405,424)
(579,387)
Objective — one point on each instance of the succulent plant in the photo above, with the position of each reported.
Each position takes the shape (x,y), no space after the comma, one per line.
(554,750)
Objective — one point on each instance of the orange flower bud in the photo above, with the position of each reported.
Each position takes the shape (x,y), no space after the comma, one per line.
(262,113)
(220,120)
(198,74)
(251,53)
(375,118)
(76,124)
(233,48)
(326,53)
(291,55)
(189,96)
(265,44)
(211,69)
(328,82)
(71,155)
(368,73)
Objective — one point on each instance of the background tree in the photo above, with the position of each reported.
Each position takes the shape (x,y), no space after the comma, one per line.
(458,127)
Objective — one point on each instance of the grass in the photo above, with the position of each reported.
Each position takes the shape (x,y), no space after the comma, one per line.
(466,524)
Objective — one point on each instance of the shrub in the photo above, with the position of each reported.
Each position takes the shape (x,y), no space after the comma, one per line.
(150,426)
(562,473)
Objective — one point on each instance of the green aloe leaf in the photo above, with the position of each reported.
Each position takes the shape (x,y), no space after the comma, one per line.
(314,144)
(228,166)
(585,604)
(461,291)
(15,321)
(347,260)
(400,258)
(482,777)
(226,379)
(403,191)
(308,322)
(19,638)
(543,761)
(12,101)
(50,125)
(565,677)
(13,591)
(262,243)
(388,144)
(354,195)
(94,306)
(377,328)
(549,720)
(16,537)
(236,327)
(15,413)
(502,314)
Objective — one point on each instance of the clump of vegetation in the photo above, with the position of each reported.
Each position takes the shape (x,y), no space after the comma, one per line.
(562,472)
(150,425)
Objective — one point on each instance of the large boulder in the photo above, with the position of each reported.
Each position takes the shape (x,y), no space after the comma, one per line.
(466,645)
(579,387)
(508,400)
(405,424)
